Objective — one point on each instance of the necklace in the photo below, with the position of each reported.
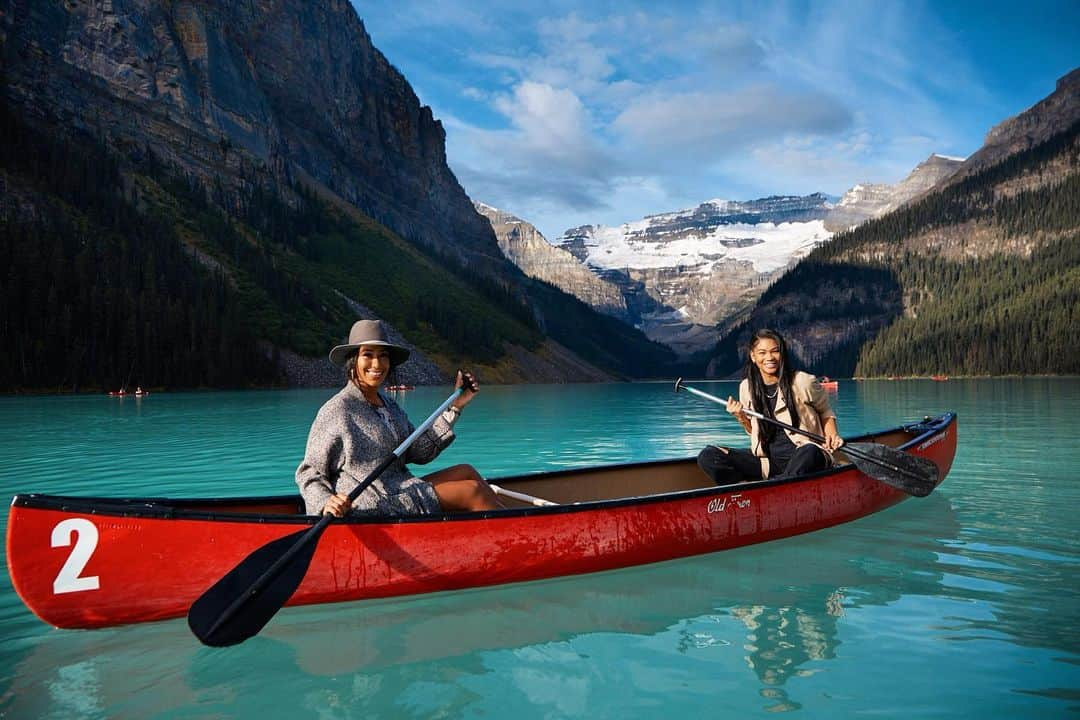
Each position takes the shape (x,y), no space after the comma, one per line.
(774,392)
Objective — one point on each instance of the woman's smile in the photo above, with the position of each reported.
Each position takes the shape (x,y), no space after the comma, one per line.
(373,365)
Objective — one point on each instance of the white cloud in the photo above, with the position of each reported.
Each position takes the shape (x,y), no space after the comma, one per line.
(568,113)
(714,124)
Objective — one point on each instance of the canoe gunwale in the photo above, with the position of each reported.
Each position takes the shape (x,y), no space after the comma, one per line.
(166,508)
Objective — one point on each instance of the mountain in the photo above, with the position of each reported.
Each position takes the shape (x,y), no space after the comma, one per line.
(284,160)
(981,275)
(1043,121)
(687,276)
(864,202)
(683,272)
(527,248)
(285,90)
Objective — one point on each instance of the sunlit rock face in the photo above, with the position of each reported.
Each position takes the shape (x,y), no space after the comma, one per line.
(277,91)
(867,201)
(527,248)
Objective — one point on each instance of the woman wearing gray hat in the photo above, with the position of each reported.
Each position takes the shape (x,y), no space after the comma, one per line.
(359,427)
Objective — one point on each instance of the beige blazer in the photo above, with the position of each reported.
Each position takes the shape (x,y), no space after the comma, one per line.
(811,403)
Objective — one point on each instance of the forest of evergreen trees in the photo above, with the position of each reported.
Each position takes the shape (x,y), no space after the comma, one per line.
(97,295)
(102,289)
(126,272)
(921,313)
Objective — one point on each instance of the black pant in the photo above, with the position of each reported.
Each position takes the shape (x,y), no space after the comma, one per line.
(729,465)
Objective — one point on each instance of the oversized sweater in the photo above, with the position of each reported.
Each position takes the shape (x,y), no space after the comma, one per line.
(811,403)
(349,439)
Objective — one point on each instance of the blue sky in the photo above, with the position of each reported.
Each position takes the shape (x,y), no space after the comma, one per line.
(572,113)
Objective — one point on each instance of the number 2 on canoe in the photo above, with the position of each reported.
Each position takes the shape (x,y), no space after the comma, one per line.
(86,539)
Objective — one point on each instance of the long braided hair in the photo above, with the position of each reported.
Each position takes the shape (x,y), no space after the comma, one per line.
(757,384)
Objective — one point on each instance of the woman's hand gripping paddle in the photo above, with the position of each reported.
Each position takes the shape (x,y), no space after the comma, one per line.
(241,603)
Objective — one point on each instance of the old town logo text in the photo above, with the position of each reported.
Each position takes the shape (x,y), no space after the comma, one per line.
(723,503)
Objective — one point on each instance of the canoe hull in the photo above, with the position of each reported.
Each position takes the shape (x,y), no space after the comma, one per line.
(82,567)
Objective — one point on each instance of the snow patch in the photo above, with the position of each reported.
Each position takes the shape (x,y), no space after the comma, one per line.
(772,246)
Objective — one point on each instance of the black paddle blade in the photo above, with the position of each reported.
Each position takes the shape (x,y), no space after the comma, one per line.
(241,603)
(914,475)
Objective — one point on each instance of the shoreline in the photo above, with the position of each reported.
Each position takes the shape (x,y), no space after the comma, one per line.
(162,390)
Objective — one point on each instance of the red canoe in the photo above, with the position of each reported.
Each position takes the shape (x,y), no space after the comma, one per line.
(95,562)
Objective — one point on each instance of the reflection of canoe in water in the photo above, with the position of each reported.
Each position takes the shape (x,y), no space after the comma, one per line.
(93,562)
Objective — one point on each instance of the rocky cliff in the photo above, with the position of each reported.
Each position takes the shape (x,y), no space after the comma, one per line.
(864,202)
(278,90)
(1052,115)
(526,247)
(244,104)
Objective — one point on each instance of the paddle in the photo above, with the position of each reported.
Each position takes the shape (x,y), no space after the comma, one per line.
(914,475)
(241,603)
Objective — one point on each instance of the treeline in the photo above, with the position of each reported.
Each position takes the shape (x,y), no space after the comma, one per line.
(1002,313)
(136,274)
(98,295)
(995,316)
(126,271)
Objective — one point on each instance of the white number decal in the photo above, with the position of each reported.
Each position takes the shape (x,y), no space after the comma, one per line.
(86,541)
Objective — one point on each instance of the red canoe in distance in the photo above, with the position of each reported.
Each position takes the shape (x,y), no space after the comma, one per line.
(96,562)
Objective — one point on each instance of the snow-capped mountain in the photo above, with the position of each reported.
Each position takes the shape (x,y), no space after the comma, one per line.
(685,277)
(687,271)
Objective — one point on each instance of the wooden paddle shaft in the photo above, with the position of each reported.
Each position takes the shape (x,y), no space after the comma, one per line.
(531,499)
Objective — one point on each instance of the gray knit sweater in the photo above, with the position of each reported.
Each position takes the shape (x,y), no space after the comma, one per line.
(348,440)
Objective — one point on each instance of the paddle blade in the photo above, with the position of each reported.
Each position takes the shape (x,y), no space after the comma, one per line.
(914,475)
(241,603)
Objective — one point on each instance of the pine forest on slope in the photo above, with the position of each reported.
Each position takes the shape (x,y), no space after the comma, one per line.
(147,277)
(981,277)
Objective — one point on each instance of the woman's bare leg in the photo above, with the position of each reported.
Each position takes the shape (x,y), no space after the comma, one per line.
(460,488)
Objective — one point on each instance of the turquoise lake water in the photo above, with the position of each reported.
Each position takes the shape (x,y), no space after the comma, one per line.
(962,604)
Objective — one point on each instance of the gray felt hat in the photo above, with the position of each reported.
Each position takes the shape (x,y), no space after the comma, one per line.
(368,332)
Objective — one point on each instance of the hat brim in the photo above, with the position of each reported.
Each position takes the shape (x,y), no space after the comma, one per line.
(341,353)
